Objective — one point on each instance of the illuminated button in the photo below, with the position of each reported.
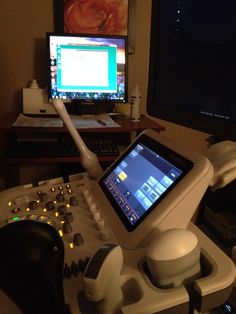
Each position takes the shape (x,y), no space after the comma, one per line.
(39,192)
(53,189)
(122,175)
(69,191)
(17,218)
(115,194)
(110,187)
(32,217)
(121,201)
(68,186)
(42,218)
(61,188)
(61,233)
(15,210)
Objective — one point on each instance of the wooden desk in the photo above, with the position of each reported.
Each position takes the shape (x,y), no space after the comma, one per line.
(121,136)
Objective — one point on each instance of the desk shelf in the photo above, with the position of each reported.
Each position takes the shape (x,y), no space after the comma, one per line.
(126,125)
(121,136)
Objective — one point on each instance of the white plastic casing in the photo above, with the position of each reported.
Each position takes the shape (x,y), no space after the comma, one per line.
(35,101)
(104,285)
(173,258)
(88,159)
(174,211)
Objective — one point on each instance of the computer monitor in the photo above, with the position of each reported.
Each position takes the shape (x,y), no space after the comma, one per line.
(87,71)
(193,65)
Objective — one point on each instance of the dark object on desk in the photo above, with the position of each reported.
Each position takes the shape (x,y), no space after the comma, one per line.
(219,213)
(222,224)
(222,199)
(31,267)
(61,148)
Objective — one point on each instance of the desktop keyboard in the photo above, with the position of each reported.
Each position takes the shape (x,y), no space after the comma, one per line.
(62,148)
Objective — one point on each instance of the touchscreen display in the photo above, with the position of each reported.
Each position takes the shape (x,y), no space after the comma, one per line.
(139,181)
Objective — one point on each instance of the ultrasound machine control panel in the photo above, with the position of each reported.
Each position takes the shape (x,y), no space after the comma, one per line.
(155,185)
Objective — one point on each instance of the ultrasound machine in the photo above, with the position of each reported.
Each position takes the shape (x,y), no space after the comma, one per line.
(128,243)
(123,240)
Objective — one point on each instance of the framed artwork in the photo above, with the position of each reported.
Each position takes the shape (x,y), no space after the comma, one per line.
(108,17)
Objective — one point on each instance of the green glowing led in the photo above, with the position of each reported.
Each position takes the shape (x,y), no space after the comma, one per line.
(16,218)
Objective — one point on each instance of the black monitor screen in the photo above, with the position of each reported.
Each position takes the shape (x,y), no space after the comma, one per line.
(87,68)
(137,183)
(193,65)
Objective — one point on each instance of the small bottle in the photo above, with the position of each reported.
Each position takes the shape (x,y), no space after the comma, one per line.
(135,104)
(34,84)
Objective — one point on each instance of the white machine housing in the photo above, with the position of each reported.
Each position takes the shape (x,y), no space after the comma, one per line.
(35,101)
(175,210)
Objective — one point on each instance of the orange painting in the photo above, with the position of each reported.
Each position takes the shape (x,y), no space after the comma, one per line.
(108,17)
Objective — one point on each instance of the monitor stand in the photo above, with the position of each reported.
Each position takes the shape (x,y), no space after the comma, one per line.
(89,108)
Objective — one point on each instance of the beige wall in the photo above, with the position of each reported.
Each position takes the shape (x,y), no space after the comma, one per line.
(23,26)
(22,50)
